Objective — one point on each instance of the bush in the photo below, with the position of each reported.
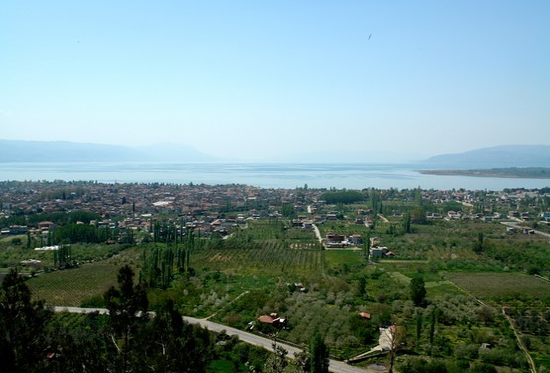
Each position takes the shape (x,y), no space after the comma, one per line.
(414,365)
(96,301)
(483,368)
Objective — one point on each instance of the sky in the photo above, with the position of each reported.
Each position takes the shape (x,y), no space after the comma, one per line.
(278,80)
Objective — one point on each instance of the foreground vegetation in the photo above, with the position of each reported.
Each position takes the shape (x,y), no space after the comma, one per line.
(463,295)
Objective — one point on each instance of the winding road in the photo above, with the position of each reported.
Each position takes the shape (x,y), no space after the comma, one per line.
(336,366)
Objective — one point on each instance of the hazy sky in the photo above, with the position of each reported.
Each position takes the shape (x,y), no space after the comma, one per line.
(268,79)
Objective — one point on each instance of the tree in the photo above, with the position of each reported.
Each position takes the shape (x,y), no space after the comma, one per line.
(433,322)
(407,223)
(419,322)
(319,354)
(418,216)
(418,291)
(301,362)
(478,246)
(397,335)
(287,210)
(366,246)
(174,345)
(22,324)
(127,307)
(79,347)
(277,362)
(360,290)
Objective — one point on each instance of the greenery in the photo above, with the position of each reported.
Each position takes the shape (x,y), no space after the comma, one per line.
(462,295)
(345,197)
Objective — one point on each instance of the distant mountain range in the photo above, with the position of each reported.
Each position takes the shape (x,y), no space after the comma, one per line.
(498,156)
(65,151)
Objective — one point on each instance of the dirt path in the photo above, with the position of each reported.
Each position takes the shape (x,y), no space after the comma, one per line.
(317,233)
(238,297)
(520,343)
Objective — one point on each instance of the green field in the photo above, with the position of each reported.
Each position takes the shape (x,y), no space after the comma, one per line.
(267,259)
(70,287)
(488,285)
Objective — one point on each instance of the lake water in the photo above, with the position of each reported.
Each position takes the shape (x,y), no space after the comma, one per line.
(267,175)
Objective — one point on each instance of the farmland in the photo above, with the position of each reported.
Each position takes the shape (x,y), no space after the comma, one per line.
(72,287)
(249,273)
(234,268)
(502,286)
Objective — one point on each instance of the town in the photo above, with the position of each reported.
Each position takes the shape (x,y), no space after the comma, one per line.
(217,209)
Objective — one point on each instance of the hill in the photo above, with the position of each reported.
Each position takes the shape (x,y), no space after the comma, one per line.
(498,156)
(65,151)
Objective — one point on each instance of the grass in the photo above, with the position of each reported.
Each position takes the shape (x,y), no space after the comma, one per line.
(439,287)
(489,285)
(221,366)
(400,277)
(336,258)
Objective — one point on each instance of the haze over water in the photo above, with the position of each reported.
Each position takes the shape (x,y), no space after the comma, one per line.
(266,175)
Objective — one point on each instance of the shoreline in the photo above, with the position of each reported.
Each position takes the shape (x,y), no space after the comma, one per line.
(504,173)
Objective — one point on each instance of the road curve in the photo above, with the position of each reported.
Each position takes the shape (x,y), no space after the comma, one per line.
(253,339)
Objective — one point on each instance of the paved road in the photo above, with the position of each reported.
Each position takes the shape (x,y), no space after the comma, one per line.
(335,365)
(517,225)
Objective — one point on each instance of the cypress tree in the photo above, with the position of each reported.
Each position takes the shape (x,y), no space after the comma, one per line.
(319,354)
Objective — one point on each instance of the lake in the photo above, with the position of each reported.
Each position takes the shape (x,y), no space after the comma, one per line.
(266,175)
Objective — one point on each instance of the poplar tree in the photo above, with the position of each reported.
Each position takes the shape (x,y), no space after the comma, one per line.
(418,291)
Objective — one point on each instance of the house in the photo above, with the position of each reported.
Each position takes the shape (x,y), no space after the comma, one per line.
(318,219)
(356,239)
(528,231)
(513,214)
(273,319)
(18,229)
(433,215)
(453,215)
(334,238)
(369,223)
(365,315)
(378,252)
(307,225)
(381,252)
(296,223)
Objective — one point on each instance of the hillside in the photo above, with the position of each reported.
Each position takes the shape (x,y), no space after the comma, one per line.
(494,157)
